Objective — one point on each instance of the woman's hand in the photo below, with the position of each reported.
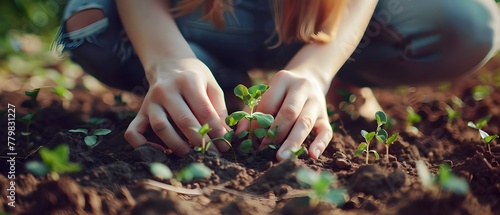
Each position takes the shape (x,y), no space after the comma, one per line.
(185,91)
(298,103)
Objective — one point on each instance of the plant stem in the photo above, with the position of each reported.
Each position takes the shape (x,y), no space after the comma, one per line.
(387,153)
(489,147)
(367,152)
(250,124)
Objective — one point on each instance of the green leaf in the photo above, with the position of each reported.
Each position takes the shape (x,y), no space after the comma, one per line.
(272,146)
(364,133)
(243,134)
(369,137)
(204,130)
(256,91)
(392,138)
(307,177)
(362,146)
(198,170)
(160,170)
(264,120)
(26,119)
(62,92)
(68,167)
(241,91)
(413,117)
(444,173)
(33,94)
(456,185)
(483,134)
(272,132)
(26,133)
(382,135)
(472,125)
(198,148)
(452,114)
(57,159)
(260,133)
(381,118)
(235,117)
(377,156)
(483,121)
(324,183)
(359,152)
(299,151)
(488,139)
(480,92)
(229,135)
(335,196)
(37,168)
(90,140)
(246,146)
(424,174)
(457,101)
(101,132)
(79,130)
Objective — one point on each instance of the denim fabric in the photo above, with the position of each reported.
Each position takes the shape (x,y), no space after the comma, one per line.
(407,42)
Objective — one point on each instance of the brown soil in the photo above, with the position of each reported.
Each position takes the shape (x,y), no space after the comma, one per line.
(115,178)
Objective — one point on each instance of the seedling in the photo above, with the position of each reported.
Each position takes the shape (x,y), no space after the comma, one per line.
(55,162)
(203,131)
(91,139)
(451,113)
(187,174)
(27,120)
(251,97)
(380,134)
(321,187)
(488,139)
(412,118)
(444,180)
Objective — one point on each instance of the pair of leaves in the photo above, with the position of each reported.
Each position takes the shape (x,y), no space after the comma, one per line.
(362,148)
(321,185)
(55,160)
(264,120)
(480,123)
(250,96)
(91,140)
(60,91)
(187,174)
(413,117)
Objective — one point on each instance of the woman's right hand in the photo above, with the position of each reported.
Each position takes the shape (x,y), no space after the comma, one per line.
(185,91)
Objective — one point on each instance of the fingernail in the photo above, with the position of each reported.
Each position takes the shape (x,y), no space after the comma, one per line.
(286,154)
(317,153)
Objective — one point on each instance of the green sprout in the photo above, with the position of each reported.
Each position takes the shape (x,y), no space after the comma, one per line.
(380,134)
(413,118)
(444,180)
(451,113)
(187,174)
(321,187)
(251,97)
(91,139)
(27,120)
(55,161)
(203,131)
(485,137)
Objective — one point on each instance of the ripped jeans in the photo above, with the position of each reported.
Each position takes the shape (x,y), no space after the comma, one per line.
(406,43)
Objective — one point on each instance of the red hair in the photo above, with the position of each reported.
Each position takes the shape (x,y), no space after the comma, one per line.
(295,20)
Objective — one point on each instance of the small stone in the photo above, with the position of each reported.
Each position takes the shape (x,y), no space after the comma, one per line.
(343,164)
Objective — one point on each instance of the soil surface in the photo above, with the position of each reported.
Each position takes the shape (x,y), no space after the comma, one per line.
(115,179)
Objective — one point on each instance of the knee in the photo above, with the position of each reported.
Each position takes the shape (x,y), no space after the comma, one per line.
(83,19)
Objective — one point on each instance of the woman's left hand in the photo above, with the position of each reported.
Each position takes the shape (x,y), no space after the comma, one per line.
(298,104)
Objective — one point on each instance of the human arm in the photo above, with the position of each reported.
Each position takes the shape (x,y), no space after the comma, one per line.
(181,86)
(297,93)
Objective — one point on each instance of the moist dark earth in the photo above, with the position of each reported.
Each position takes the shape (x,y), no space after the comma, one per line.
(115,178)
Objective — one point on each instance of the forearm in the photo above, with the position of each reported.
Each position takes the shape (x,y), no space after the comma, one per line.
(322,61)
(153,33)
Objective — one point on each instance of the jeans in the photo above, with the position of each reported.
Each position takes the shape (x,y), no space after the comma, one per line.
(406,43)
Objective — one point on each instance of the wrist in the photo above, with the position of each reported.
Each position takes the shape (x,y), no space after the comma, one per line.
(319,78)
(166,68)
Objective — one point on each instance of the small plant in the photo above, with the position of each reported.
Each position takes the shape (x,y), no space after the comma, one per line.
(321,187)
(187,174)
(27,120)
(488,139)
(203,131)
(444,180)
(412,118)
(55,161)
(451,113)
(251,97)
(380,134)
(91,139)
